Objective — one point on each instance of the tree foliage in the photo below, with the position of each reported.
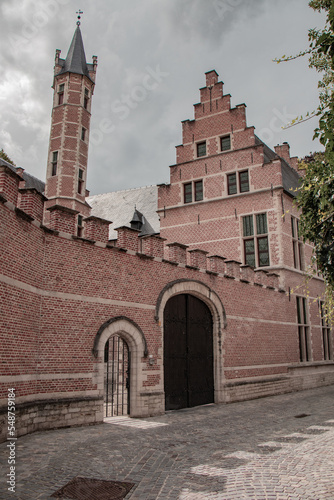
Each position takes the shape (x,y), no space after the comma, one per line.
(315,197)
(5,157)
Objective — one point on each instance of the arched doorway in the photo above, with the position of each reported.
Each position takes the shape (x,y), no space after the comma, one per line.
(116,377)
(188,353)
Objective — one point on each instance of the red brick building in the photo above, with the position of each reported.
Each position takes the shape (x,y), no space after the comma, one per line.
(200,312)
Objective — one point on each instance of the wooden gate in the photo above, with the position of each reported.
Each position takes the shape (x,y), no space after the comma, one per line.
(116,377)
(188,353)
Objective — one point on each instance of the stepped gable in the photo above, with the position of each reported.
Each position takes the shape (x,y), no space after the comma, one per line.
(119,206)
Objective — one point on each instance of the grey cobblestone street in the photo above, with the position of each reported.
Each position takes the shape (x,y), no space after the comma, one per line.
(281,447)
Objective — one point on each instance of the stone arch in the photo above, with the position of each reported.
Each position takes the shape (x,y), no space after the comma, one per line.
(212,300)
(135,339)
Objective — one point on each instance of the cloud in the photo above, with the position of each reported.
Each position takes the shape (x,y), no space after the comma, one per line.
(184,38)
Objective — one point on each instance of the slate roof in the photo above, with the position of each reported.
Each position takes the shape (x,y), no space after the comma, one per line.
(31,182)
(75,61)
(119,207)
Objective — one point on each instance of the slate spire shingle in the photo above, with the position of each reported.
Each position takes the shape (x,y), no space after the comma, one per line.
(75,61)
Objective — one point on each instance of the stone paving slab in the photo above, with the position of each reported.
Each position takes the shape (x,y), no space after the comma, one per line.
(256,450)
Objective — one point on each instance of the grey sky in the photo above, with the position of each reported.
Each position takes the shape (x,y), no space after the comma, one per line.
(152,56)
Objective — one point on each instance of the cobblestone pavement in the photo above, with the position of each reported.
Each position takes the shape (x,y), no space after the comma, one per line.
(280,447)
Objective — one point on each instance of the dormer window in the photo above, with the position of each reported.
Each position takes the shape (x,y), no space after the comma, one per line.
(225,143)
(61,90)
(201,149)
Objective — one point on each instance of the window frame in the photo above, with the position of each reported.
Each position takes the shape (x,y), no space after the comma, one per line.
(255,230)
(305,354)
(326,334)
(80,226)
(193,191)
(86,98)
(198,146)
(80,180)
(297,245)
(222,138)
(54,163)
(238,182)
(61,92)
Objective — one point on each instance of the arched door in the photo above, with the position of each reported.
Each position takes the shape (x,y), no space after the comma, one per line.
(188,353)
(116,377)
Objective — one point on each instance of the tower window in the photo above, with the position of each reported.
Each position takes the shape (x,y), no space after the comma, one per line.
(54,163)
(225,143)
(86,98)
(80,181)
(83,133)
(255,235)
(201,149)
(80,226)
(61,90)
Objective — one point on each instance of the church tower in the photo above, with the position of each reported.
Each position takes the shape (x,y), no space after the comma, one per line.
(73,85)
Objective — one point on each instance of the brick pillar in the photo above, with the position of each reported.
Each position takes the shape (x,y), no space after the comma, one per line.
(217,264)
(177,252)
(198,258)
(32,203)
(97,229)
(153,245)
(127,238)
(63,219)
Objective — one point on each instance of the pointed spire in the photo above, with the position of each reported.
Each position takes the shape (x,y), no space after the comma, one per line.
(75,61)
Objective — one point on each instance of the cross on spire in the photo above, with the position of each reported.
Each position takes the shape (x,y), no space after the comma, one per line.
(79,12)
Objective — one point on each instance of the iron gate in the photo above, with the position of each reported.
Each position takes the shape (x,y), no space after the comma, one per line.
(188,353)
(116,377)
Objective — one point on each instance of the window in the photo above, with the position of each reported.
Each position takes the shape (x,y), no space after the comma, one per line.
(188,193)
(198,190)
(297,245)
(326,333)
(54,163)
(225,143)
(61,90)
(232,187)
(86,98)
(190,188)
(83,133)
(243,181)
(238,183)
(303,329)
(80,181)
(80,226)
(201,149)
(255,238)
